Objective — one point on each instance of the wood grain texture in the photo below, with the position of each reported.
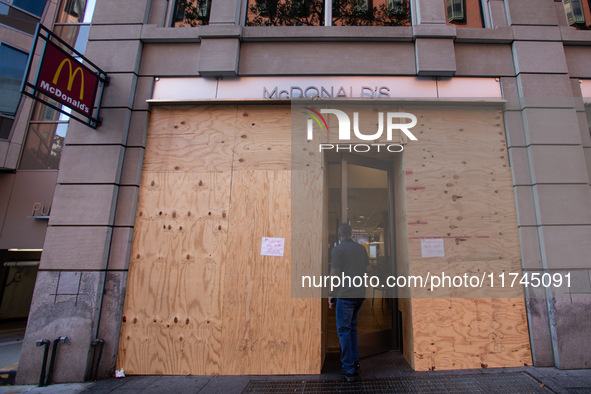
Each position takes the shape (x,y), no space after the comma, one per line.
(307,219)
(172,316)
(201,299)
(402,258)
(266,331)
(216,179)
(263,139)
(325,257)
(463,333)
(189,139)
(459,188)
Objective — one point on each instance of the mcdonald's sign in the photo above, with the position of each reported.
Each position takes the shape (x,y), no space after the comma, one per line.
(66,80)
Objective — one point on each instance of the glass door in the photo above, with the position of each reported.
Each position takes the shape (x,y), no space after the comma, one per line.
(363,197)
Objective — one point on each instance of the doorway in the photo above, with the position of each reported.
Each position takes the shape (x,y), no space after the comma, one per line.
(18,273)
(361,193)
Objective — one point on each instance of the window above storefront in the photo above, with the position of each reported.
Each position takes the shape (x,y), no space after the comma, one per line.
(466,13)
(191,13)
(371,13)
(22,15)
(73,22)
(34,7)
(12,68)
(285,13)
(328,13)
(578,13)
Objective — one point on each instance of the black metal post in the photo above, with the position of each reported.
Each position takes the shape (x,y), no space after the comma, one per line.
(45,343)
(56,342)
(96,362)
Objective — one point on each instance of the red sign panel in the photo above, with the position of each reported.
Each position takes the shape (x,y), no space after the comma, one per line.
(66,80)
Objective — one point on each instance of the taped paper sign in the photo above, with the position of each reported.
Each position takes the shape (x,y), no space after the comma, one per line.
(432,247)
(272,246)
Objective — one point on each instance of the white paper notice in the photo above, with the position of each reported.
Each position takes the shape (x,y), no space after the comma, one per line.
(432,247)
(272,246)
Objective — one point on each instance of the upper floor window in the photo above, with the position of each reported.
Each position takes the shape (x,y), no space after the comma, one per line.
(73,22)
(45,139)
(191,13)
(22,15)
(285,13)
(12,68)
(35,7)
(578,13)
(371,13)
(465,13)
(328,13)
(73,11)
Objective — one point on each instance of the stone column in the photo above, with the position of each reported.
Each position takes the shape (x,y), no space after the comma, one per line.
(80,287)
(551,182)
(434,40)
(220,40)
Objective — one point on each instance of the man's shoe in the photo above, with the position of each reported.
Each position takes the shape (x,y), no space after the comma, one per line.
(349,377)
(357,369)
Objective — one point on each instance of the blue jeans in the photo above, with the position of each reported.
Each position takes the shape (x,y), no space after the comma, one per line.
(347,311)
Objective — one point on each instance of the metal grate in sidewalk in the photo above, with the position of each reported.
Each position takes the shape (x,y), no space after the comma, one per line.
(477,383)
(577,390)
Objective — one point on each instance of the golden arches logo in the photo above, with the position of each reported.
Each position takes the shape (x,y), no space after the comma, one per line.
(71,76)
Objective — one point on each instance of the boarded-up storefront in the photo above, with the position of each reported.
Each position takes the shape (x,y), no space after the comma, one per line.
(201,299)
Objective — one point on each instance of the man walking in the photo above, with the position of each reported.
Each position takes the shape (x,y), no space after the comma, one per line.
(349,259)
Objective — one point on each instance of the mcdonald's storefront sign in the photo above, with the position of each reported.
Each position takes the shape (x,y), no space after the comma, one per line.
(65,79)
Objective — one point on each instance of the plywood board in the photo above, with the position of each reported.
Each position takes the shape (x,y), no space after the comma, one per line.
(460,333)
(216,179)
(266,331)
(190,139)
(172,316)
(264,138)
(201,299)
(459,189)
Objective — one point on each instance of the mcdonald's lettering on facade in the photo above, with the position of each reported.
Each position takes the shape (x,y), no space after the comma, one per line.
(66,80)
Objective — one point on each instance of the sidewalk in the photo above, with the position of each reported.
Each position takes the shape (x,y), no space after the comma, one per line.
(386,373)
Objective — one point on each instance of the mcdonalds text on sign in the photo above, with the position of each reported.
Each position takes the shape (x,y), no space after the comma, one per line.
(66,80)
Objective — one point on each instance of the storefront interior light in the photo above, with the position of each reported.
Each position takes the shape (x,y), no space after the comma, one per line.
(25,250)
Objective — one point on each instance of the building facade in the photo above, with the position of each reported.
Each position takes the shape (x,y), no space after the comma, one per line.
(32,141)
(156,241)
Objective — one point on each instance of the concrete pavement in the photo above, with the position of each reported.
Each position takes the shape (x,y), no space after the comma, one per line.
(382,373)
